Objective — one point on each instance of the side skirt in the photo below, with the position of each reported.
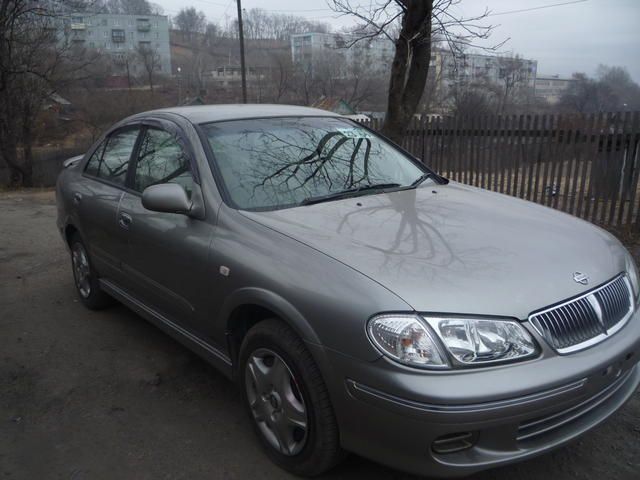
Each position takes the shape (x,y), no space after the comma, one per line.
(215,357)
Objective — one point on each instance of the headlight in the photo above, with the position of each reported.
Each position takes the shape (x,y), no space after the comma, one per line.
(406,339)
(476,341)
(632,273)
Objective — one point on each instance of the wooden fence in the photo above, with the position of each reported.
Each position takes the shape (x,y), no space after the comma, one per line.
(586,165)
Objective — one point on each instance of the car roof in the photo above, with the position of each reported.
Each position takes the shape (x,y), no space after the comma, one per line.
(215,113)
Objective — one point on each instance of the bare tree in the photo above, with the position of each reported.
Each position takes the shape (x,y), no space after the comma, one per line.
(280,75)
(150,61)
(588,95)
(36,61)
(126,7)
(419,23)
(513,80)
(190,22)
(261,24)
(621,85)
(303,83)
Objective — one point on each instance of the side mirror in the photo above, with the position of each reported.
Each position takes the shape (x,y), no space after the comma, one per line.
(166,197)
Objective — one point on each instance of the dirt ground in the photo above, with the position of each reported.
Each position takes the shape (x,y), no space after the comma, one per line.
(105,395)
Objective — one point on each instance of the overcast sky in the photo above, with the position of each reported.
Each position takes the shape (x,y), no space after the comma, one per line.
(563,39)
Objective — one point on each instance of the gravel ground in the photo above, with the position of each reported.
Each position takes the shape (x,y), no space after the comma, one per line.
(105,395)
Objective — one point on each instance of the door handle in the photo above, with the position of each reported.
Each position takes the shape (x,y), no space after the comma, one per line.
(76,198)
(124,220)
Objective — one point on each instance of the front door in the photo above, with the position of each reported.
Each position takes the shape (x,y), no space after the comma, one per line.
(168,252)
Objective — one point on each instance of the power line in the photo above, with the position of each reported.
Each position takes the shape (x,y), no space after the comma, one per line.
(211,3)
(509,12)
(327,9)
(311,10)
(298,10)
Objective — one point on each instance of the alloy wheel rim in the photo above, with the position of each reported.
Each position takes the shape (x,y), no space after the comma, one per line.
(276,402)
(81,270)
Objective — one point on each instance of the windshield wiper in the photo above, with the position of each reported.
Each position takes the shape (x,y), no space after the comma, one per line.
(422,178)
(351,192)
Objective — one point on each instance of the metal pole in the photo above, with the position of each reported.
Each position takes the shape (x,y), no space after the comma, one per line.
(242,64)
(179,86)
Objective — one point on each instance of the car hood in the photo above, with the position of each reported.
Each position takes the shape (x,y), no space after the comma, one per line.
(455,248)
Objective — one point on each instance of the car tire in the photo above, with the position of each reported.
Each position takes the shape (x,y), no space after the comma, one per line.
(282,390)
(86,278)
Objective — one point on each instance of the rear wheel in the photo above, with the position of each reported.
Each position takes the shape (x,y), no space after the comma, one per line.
(287,400)
(85,277)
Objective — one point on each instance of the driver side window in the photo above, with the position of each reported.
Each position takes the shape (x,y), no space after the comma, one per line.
(162,159)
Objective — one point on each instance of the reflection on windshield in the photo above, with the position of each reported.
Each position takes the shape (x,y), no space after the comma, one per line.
(277,162)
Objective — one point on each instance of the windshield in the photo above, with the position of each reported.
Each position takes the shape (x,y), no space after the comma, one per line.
(274,163)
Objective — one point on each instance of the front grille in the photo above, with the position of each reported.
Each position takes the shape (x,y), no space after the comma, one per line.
(588,319)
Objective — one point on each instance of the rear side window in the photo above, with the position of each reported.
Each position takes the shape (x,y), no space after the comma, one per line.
(161,159)
(93,165)
(111,160)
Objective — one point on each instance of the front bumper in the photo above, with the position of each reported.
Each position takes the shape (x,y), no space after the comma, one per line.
(393,415)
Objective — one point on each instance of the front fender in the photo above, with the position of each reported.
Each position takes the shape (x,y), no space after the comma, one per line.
(271,301)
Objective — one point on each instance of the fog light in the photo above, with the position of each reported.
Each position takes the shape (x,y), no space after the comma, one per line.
(453,442)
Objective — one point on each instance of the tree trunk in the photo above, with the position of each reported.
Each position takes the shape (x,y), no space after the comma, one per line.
(409,69)
(28,117)
(9,152)
(27,158)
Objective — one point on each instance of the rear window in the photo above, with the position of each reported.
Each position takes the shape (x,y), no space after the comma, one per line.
(110,161)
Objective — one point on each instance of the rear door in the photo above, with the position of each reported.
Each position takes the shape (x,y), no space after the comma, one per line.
(168,253)
(97,199)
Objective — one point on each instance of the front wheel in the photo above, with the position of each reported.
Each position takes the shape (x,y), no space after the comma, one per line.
(287,400)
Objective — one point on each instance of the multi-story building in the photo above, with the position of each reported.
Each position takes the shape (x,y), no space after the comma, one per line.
(473,68)
(312,49)
(227,75)
(551,87)
(120,36)
(376,54)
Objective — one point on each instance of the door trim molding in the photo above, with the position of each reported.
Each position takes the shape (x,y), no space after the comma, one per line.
(213,355)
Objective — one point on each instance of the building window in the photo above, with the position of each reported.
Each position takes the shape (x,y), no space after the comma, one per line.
(143,24)
(117,35)
(104,22)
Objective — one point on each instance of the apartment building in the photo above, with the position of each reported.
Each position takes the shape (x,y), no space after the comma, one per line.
(120,35)
(311,49)
(551,87)
(476,68)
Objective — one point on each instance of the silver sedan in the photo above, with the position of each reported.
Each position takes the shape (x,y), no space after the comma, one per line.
(362,302)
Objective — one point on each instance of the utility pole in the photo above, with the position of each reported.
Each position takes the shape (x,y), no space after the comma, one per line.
(243,70)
